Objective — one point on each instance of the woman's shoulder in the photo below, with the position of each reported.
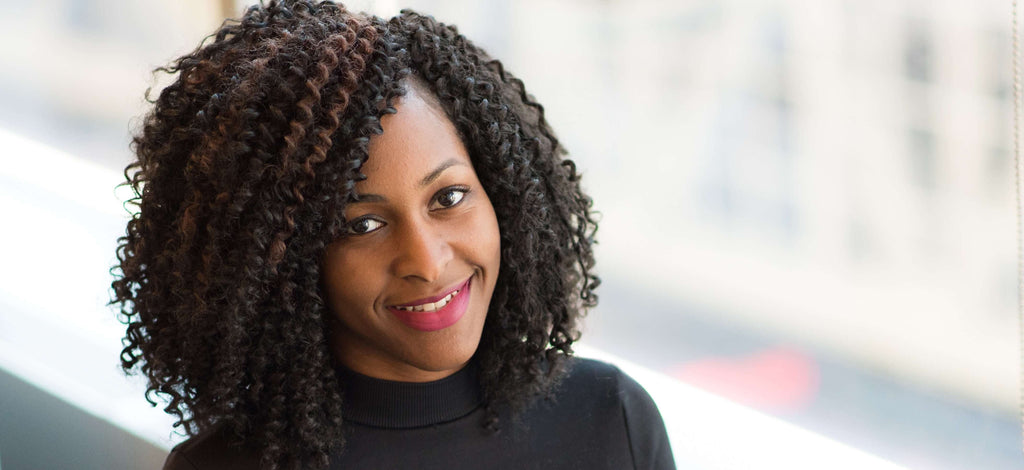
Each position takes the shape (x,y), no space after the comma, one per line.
(591,378)
(596,389)
(601,397)
(210,449)
(593,388)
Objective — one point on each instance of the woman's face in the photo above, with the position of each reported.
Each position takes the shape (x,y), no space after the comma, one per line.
(411,284)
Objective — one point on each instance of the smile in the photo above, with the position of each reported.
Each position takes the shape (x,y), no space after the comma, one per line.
(431,306)
(437,312)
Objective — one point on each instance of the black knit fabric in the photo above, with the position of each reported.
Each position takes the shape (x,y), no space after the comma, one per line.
(600,418)
(399,405)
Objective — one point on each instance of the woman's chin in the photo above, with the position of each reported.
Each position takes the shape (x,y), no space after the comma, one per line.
(446,360)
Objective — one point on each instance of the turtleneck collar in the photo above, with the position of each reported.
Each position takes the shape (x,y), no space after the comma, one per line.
(389,404)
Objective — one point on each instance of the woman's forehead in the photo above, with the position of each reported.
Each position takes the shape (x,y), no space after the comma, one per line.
(416,140)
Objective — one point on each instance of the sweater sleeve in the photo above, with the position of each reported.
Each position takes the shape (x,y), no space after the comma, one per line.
(211,450)
(177,461)
(648,439)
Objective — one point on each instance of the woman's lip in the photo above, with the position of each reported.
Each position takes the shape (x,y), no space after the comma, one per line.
(438,319)
(434,298)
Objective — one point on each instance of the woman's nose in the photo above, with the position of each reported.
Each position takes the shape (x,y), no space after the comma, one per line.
(423,252)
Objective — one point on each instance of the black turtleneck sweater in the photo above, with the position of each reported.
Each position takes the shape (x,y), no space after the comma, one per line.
(600,418)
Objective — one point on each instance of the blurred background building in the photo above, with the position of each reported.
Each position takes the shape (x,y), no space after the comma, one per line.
(808,207)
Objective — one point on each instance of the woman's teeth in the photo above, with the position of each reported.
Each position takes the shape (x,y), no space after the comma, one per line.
(431,306)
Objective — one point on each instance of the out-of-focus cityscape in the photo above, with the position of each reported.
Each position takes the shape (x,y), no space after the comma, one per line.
(807,207)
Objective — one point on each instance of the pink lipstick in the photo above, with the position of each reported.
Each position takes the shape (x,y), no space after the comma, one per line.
(437,312)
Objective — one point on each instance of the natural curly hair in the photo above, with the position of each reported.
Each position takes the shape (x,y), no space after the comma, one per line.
(245,164)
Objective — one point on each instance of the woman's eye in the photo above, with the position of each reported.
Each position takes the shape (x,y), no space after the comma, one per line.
(363,226)
(449,197)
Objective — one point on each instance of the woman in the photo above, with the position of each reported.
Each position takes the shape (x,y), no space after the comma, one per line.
(358,246)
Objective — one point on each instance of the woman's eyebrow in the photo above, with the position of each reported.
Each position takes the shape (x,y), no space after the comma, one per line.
(358,198)
(440,169)
(369,197)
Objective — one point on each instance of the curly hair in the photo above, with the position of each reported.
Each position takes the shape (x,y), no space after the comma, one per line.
(244,166)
